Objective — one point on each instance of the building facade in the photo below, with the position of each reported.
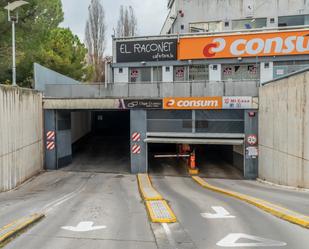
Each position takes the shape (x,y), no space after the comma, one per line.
(190,16)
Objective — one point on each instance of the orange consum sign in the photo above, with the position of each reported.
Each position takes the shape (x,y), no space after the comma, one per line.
(244,45)
(191,103)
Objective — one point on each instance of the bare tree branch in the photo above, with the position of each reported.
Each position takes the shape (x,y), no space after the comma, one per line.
(127,22)
(95,39)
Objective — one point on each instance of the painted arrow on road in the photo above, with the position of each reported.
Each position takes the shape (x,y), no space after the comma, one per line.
(220,213)
(232,239)
(84,226)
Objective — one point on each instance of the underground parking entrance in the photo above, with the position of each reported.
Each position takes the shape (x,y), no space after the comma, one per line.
(211,160)
(92,141)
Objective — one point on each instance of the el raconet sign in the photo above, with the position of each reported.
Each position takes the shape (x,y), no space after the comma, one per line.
(148,50)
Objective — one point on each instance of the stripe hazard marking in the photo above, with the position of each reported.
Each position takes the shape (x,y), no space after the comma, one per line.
(136,149)
(50,145)
(50,135)
(136,137)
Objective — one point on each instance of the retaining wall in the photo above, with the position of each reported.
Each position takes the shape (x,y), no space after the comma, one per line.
(21,151)
(284,131)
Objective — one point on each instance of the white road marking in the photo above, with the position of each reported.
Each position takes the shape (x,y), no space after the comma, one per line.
(221,213)
(169,236)
(50,206)
(84,226)
(231,241)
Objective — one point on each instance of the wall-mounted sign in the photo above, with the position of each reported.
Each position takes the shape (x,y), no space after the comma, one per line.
(252,139)
(237,102)
(192,103)
(148,50)
(140,104)
(245,45)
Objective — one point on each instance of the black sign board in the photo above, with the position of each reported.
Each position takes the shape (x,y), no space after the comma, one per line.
(150,50)
(141,104)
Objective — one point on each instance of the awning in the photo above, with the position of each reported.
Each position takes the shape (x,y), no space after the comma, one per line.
(211,141)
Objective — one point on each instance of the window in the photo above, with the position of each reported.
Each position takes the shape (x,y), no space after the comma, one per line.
(140,74)
(272,20)
(157,74)
(180,73)
(182,27)
(205,27)
(198,72)
(266,65)
(254,23)
(298,20)
(226,24)
(120,70)
(240,72)
(167,69)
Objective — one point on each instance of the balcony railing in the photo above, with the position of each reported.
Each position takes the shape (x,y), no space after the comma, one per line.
(154,89)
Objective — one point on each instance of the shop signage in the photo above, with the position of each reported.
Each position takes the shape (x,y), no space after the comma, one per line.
(141,104)
(237,102)
(148,50)
(245,45)
(192,103)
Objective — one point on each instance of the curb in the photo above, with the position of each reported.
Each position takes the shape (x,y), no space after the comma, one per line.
(157,208)
(18,226)
(280,212)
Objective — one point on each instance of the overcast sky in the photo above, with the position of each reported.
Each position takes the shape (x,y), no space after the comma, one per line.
(150,16)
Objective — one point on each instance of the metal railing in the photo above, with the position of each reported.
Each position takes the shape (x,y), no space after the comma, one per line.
(154,89)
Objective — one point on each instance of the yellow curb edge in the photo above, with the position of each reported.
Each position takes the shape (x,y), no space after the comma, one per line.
(143,194)
(29,221)
(264,205)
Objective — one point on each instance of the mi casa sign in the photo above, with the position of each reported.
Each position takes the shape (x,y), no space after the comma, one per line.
(148,50)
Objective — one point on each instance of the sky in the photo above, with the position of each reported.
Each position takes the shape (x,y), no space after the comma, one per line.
(150,15)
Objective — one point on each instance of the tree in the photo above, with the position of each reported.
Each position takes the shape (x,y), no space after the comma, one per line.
(127,22)
(95,39)
(36,20)
(64,53)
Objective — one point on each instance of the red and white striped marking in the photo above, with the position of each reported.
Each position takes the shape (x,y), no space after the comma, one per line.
(50,145)
(136,137)
(50,135)
(136,149)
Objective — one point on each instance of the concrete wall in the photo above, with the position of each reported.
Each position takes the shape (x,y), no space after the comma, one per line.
(80,125)
(21,141)
(44,76)
(284,131)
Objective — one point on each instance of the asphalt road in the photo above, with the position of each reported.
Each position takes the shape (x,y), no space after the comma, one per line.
(189,201)
(98,210)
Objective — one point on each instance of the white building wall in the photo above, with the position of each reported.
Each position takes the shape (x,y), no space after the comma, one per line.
(21,135)
(215,72)
(267,73)
(167,76)
(225,10)
(121,77)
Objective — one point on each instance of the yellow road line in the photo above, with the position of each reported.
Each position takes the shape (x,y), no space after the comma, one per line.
(148,192)
(24,223)
(278,211)
(158,209)
(157,218)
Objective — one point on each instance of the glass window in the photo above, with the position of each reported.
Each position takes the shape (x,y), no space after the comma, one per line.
(180,73)
(241,72)
(140,74)
(205,27)
(282,68)
(254,23)
(157,74)
(198,72)
(298,20)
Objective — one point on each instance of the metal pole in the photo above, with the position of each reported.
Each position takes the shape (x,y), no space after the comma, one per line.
(13,54)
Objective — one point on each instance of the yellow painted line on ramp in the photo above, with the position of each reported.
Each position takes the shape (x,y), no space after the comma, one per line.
(278,211)
(148,192)
(18,226)
(157,208)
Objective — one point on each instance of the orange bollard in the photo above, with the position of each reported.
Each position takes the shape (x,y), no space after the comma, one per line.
(192,164)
